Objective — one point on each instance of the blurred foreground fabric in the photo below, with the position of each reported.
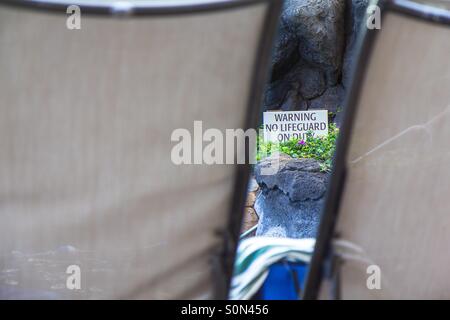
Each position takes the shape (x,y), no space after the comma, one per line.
(255,258)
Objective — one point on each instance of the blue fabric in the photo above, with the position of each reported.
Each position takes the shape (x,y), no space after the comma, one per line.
(283,281)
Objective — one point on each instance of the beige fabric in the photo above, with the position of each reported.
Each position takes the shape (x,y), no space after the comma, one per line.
(442,4)
(396,203)
(86,178)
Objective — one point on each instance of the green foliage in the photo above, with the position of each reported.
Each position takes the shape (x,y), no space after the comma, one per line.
(319,148)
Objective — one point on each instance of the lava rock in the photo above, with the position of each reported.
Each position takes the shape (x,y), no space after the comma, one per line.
(279,217)
(319,28)
(355,16)
(294,101)
(291,200)
(275,94)
(285,52)
(308,53)
(312,81)
(331,99)
(293,91)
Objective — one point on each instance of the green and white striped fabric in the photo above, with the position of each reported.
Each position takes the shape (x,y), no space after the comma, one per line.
(256,255)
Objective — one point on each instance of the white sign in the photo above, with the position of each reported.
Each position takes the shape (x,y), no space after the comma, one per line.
(281,126)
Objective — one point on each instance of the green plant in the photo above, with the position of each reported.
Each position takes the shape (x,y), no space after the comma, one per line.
(319,148)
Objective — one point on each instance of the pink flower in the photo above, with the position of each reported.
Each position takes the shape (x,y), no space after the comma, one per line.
(301,142)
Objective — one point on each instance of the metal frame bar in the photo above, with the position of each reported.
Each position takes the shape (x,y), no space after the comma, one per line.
(259,79)
(133,8)
(418,10)
(224,262)
(366,39)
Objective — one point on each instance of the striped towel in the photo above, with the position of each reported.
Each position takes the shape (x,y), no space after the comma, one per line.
(256,255)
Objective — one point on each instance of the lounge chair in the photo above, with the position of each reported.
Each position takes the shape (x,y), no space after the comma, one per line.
(86,176)
(385,232)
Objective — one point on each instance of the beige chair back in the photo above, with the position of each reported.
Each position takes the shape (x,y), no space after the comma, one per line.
(86,118)
(389,199)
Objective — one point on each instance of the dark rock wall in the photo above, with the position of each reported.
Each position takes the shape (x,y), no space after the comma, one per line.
(313,54)
(289,202)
